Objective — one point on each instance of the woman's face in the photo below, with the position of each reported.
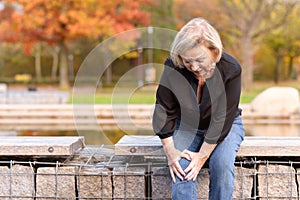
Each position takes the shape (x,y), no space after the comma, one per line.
(199,60)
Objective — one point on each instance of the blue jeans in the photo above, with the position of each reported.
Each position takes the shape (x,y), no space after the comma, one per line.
(221,165)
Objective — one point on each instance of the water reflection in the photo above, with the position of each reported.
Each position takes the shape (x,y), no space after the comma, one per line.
(113,136)
(282,130)
(90,137)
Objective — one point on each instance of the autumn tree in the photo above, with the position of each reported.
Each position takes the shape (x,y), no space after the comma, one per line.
(285,46)
(7,31)
(185,11)
(243,23)
(250,21)
(292,38)
(277,43)
(58,22)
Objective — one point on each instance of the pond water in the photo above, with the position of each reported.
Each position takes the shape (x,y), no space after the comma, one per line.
(280,130)
(112,137)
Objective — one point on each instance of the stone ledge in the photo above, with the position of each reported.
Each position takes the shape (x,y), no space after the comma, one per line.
(40,146)
(251,146)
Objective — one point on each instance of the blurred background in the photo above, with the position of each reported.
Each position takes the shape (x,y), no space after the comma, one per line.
(44,42)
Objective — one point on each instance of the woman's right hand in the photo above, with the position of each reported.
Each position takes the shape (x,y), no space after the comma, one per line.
(175,168)
(173,156)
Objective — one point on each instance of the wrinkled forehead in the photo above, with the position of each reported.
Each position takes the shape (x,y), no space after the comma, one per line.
(198,52)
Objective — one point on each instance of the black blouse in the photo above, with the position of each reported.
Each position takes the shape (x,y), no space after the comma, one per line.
(176,100)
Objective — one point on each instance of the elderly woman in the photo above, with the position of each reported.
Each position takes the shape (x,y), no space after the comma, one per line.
(197,115)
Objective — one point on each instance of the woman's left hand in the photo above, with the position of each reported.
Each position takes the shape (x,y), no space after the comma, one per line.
(197,162)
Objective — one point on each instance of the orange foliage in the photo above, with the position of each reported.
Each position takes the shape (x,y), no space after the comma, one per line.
(60,21)
(186,10)
(6,28)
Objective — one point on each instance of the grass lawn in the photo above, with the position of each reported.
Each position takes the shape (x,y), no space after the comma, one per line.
(106,96)
(147,95)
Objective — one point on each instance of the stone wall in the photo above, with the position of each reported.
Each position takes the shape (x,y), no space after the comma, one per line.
(266,181)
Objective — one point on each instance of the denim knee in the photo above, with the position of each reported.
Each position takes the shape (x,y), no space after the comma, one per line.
(184,189)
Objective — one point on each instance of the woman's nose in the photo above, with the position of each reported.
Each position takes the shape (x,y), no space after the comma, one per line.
(194,66)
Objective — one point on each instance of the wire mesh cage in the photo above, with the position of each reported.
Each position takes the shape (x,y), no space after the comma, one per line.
(97,173)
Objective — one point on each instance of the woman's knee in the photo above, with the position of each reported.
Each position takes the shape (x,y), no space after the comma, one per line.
(184,163)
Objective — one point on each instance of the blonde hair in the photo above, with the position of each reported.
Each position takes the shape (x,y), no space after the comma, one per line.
(196,32)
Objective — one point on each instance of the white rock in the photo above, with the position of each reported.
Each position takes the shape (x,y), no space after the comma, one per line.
(277,101)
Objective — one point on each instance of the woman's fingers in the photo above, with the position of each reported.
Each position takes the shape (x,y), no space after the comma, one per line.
(192,175)
(175,169)
(190,167)
(172,175)
(178,174)
(178,170)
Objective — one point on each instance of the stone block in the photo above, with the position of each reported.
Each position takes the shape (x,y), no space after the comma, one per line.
(203,184)
(40,145)
(4,183)
(55,183)
(22,182)
(243,183)
(129,182)
(298,180)
(17,182)
(161,183)
(94,183)
(277,182)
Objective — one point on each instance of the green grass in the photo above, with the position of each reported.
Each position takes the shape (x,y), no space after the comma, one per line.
(106,96)
(147,95)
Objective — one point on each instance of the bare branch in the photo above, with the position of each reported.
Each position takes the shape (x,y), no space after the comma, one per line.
(235,15)
(272,26)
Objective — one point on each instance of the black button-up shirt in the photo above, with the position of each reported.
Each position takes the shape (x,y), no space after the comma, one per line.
(176,100)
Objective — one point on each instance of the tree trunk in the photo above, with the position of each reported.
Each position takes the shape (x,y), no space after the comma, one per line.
(108,75)
(277,69)
(54,52)
(108,71)
(247,63)
(63,67)
(38,67)
(290,67)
